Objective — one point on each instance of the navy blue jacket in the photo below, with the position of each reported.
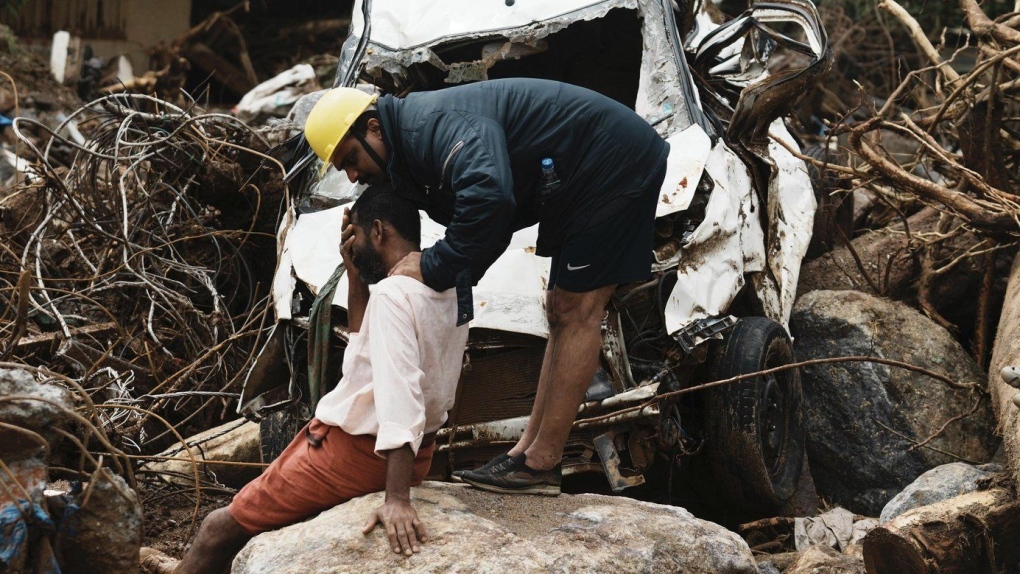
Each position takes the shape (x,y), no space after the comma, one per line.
(470,156)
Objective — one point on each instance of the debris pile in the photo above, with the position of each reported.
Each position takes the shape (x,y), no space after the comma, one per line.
(133,267)
(137,250)
(941,133)
(93,527)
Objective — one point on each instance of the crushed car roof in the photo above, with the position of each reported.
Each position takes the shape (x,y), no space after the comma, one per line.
(404,24)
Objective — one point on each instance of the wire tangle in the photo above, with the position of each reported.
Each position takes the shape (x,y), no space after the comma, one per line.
(138,264)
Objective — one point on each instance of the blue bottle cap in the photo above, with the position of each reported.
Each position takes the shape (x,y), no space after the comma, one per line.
(547,163)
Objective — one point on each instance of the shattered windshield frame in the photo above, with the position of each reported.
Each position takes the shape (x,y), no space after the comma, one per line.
(674,106)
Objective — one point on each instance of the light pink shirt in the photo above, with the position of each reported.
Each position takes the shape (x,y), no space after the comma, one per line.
(400,371)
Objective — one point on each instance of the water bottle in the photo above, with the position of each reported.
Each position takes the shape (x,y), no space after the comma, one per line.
(548,182)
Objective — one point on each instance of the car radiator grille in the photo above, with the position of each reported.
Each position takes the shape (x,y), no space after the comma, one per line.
(498,386)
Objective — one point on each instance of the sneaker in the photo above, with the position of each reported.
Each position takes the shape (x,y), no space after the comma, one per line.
(456,475)
(512,476)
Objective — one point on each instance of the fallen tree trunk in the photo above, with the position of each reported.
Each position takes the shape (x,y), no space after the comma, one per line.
(907,263)
(1007,352)
(972,533)
(885,255)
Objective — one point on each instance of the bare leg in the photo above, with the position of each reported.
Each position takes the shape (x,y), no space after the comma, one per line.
(569,365)
(535,419)
(219,539)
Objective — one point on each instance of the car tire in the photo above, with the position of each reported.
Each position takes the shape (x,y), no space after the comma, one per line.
(278,429)
(754,427)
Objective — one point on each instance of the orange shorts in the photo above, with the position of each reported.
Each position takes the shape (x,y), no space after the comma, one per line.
(322,467)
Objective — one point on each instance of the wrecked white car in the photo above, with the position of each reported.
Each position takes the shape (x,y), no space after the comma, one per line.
(733,223)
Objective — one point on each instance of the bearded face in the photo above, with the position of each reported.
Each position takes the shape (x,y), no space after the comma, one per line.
(369,263)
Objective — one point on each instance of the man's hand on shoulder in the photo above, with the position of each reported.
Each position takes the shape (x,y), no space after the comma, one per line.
(402,525)
(409,266)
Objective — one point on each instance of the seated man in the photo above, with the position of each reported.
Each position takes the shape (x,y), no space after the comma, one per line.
(376,430)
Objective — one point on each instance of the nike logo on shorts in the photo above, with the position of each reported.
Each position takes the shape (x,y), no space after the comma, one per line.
(572,268)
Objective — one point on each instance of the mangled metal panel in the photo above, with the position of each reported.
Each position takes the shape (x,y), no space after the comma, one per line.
(688,152)
(714,259)
(399,41)
(730,243)
(284,281)
(406,24)
(764,97)
(791,215)
(405,33)
(666,98)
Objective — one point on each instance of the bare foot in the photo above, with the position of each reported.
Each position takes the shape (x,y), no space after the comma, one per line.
(155,562)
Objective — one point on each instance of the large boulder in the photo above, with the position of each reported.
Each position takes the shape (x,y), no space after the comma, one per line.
(50,407)
(473,531)
(864,419)
(101,531)
(938,484)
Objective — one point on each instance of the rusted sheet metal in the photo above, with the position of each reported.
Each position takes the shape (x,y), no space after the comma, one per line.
(611,464)
(481,434)
(509,430)
(638,395)
(651,411)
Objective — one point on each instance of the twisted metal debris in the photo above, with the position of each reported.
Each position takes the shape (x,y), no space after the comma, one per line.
(141,268)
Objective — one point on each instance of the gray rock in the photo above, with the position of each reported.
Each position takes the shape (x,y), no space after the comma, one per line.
(863,418)
(51,408)
(103,536)
(938,484)
(473,531)
(776,563)
(825,560)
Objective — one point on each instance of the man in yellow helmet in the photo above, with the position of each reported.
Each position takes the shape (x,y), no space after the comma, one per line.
(487,159)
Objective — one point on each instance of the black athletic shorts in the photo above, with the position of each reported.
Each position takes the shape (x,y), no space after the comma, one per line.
(615,251)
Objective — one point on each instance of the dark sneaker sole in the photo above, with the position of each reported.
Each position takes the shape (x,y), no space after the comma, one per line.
(541,489)
(455,476)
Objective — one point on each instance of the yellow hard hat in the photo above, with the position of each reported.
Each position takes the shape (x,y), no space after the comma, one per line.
(332,117)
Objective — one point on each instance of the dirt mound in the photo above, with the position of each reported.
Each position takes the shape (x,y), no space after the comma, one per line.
(37,88)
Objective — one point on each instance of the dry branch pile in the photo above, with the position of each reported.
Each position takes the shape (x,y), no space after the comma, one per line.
(140,268)
(946,136)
